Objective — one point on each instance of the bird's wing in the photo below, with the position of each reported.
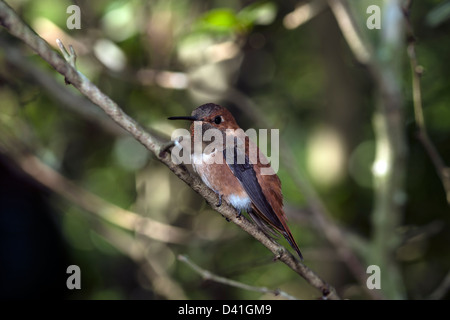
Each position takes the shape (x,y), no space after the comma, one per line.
(243,170)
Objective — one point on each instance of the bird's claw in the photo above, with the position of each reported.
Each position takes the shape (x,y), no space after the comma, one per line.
(220,200)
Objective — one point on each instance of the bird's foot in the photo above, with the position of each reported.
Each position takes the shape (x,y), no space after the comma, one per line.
(165,148)
(220,200)
(279,253)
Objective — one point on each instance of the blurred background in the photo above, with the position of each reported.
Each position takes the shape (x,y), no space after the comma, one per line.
(76,189)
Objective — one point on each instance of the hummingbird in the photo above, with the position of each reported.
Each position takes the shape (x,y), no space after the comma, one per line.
(242,184)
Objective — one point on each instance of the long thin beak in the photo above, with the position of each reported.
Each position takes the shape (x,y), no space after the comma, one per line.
(190,118)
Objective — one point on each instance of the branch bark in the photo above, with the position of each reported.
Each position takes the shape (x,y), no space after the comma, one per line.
(19,29)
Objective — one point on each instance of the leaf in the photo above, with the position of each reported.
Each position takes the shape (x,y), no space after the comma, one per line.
(259,13)
(220,20)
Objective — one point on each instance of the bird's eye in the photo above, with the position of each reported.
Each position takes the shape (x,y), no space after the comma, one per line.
(218,120)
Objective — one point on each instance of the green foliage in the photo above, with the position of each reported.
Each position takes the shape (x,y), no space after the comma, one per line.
(225,20)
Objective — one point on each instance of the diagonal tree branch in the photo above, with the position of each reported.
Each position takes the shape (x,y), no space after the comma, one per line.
(19,29)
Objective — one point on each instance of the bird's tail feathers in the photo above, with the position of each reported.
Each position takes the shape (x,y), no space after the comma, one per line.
(293,244)
(271,233)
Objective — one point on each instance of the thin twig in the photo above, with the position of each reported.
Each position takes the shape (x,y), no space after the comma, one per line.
(70,57)
(442,169)
(207,275)
(16,27)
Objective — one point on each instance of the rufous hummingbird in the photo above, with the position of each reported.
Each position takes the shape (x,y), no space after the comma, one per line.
(250,185)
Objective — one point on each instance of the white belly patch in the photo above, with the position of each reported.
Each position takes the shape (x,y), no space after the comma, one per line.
(239,202)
